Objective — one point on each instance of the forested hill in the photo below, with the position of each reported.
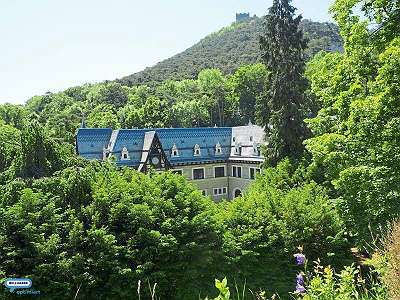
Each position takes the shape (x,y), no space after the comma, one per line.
(230,48)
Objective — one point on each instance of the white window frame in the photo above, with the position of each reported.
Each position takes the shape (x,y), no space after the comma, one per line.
(204,173)
(174,149)
(256,149)
(256,171)
(218,149)
(241,171)
(197,148)
(222,190)
(175,170)
(238,149)
(124,152)
(220,167)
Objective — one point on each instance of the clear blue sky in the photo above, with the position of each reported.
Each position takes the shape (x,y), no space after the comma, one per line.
(49,45)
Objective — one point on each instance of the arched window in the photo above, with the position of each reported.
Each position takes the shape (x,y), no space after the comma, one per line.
(196,151)
(237,193)
(125,154)
(218,149)
(174,151)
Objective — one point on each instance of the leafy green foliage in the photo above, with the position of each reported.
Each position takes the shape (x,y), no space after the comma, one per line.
(348,284)
(356,141)
(211,99)
(104,229)
(222,287)
(267,224)
(247,86)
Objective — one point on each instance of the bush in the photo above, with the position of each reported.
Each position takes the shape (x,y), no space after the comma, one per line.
(100,230)
(265,226)
(347,285)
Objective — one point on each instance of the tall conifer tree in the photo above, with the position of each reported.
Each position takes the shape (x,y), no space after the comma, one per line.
(282,106)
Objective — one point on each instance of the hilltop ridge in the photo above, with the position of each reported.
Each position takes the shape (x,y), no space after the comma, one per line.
(228,49)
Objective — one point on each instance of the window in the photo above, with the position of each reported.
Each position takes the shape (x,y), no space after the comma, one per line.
(251,138)
(253,172)
(124,154)
(174,151)
(236,171)
(204,192)
(218,149)
(238,149)
(219,172)
(179,172)
(196,150)
(256,149)
(198,173)
(220,191)
(237,193)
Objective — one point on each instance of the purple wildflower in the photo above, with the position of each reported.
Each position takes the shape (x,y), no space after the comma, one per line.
(300,284)
(300,258)
(300,289)
(300,279)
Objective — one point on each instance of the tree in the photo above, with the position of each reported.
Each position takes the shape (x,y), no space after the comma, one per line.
(278,213)
(104,229)
(39,156)
(356,137)
(103,116)
(281,109)
(213,85)
(192,113)
(9,146)
(13,114)
(247,85)
(108,93)
(156,113)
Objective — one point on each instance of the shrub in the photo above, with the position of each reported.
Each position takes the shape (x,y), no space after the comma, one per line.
(100,230)
(263,227)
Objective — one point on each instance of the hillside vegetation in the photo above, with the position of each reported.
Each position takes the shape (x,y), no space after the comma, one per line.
(230,48)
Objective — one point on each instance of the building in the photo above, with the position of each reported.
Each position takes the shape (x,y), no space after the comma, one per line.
(221,161)
(241,17)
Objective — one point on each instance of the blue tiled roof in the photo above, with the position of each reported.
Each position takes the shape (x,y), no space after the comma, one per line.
(185,140)
(90,143)
(132,139)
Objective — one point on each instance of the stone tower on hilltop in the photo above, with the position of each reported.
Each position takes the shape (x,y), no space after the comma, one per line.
(241,17)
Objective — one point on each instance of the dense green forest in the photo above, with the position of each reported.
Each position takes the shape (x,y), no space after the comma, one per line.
(89,230)
(230,48)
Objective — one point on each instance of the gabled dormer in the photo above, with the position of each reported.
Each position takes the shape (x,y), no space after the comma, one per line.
(238,148)
(196,150)
(174,151)
(218,149)
(256,149)
(125,154)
